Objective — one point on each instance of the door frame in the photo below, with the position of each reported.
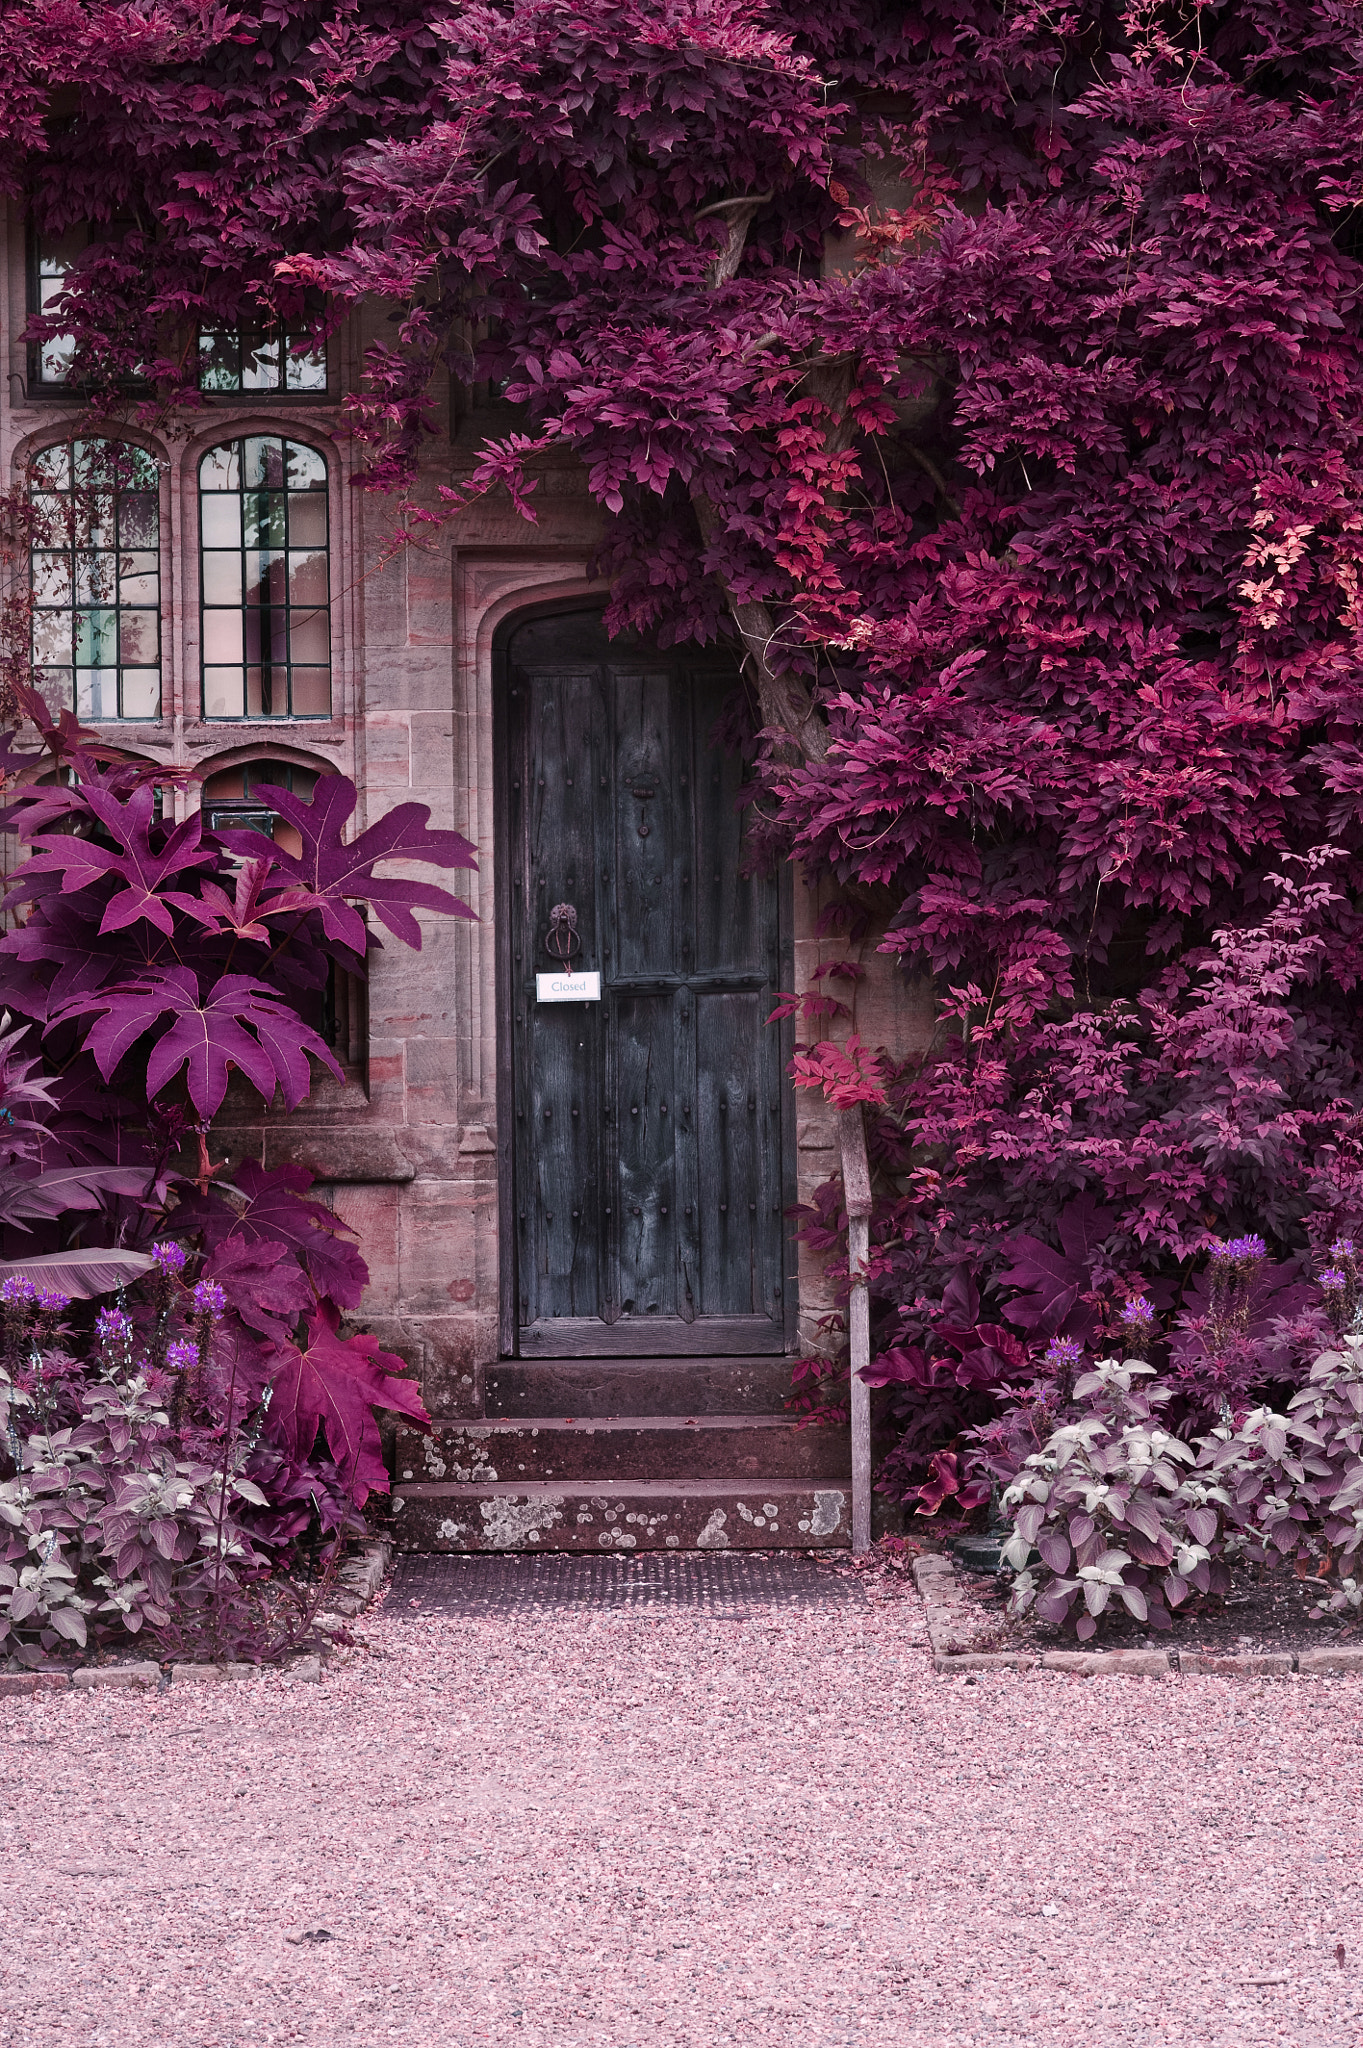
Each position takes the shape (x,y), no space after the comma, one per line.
(507,1253)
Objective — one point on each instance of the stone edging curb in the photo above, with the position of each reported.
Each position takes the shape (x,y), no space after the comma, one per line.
(358,1580)
(937,1581)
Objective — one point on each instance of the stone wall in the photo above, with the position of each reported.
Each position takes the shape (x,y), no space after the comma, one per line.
(405,1146)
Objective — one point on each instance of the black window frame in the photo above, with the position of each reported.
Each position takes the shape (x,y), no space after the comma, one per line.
(266,670)
(118,554)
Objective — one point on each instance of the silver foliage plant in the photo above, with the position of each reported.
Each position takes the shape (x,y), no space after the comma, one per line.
(1115,1508)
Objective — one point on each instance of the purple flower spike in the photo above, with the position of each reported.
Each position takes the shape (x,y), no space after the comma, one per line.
(168,1257)
(1138,1314)
(52,1303)
(209,1299)
(1342,1248)
(112,1326)
(1062,1353)
(182,1356)
(1239,1250)
(1333,1281)
(18,1289)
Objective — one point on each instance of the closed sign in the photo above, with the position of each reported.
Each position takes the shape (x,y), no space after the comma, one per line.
(568,988)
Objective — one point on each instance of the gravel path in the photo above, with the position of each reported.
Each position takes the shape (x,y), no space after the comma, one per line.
(680,1829)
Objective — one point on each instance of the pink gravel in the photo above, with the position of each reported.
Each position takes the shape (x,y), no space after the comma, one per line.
(601,1829)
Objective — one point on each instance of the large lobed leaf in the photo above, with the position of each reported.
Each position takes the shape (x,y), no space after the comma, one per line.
(335,1384)
(239,1024)
(274,1210)
(329,871)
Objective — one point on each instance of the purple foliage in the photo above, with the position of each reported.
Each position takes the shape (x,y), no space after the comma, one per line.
(137,992)
(1035,511)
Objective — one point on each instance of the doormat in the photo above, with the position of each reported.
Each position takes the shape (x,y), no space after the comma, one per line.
(733,1584)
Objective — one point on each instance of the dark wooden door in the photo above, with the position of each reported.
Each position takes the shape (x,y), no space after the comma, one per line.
(646,1148)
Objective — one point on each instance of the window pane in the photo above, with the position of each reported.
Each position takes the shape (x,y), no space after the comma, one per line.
(262,463)
(259,361)
(96,693)
(220,469)
(263,519)
(222,579)
(96,577)
(94,517)
(308,578)
(96,639)
(52,579)
(53,468)
(305,367)
(307,468)
(137,469)
(308,519)
(52,636)
(137,639)
(222,636)
(311,692)
(54,685)
(138,580)
(223,695)
(309,638)
(219,361)
(265,577)
(138,523)
(141,693)
(52,516)
(220,522)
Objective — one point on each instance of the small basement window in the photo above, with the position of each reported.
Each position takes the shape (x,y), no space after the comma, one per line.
(230,805)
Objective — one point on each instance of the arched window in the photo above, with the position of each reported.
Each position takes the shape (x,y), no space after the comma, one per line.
(264,580)
(97,579)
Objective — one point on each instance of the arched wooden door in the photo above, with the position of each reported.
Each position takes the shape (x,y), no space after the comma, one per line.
(643,1132)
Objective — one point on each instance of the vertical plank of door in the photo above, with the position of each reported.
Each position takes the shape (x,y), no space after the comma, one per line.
(646,1115)
(734,1138)
(732,909)
(563,1125)
(687,753)
(645,863)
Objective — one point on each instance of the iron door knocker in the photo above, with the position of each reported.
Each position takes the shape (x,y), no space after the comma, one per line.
(562,940)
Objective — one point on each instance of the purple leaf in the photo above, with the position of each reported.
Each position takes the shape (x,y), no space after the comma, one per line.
(337,1383)
(240,1024)
(81,1275)
(131,861)
(329,873)
(263,1282)
(275,1211)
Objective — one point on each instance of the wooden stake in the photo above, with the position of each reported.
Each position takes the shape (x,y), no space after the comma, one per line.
(856,1186)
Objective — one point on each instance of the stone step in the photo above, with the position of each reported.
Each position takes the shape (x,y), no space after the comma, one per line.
(637,1386)
(751,1448)
(640,1514)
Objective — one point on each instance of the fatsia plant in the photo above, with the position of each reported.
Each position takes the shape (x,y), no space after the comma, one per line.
(151,963)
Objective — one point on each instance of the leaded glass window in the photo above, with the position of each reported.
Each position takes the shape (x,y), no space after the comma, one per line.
(97,578)
(266,620)
(252,358)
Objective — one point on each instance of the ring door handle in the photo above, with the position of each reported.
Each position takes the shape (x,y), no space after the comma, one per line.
(561,940)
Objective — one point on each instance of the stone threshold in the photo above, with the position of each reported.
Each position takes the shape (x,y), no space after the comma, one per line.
(939,1585)
(357,1583)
